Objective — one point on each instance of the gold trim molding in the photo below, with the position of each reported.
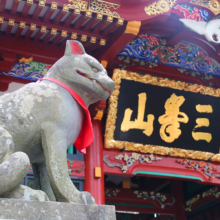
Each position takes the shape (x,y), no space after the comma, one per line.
(159,7)
(110,143)
(97,6)
(213,5)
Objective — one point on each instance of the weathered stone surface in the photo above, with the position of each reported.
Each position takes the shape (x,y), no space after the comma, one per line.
(34,210)
(40,121)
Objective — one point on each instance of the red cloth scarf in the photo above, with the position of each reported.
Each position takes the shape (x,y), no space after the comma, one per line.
(85,137)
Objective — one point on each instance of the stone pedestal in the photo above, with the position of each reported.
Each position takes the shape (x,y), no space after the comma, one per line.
(33,210)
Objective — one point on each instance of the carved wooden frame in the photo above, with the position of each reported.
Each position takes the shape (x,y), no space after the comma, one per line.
(110,143)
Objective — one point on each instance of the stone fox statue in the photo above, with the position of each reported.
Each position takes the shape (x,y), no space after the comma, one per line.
(41,120)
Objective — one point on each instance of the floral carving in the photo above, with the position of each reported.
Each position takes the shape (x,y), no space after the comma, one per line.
(111,192)
(213,5)
(129,160)
(201,165)
(193,13)
(150,48)
(211,192)
(159,7)
(157,197)
(28,70)
(72,169)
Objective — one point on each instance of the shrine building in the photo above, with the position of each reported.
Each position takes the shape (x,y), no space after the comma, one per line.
(155,153)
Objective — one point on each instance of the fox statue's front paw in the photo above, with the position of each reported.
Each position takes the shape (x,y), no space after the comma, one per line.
(87,198)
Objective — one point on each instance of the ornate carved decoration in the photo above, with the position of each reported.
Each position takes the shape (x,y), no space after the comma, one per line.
(27,69)
(72,169)
(186,56)
(111,192)
(204,166)
(33,27)
(213,5)
(43,29)
(64,33)
(209,193)
(11,22)
(192,13)
(156,197)
(159,7)
(74,35)
(22,24)
(110,142)
(130,160)
(97,6)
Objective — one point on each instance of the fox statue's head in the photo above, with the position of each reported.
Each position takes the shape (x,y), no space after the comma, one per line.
(83,73)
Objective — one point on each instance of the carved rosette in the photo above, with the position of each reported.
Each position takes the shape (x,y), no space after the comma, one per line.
(159,7)
(213,5)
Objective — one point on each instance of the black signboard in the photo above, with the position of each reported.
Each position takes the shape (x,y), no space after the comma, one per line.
(162,116)
(178,116)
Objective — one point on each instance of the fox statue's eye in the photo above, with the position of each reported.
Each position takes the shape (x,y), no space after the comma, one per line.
(94,69)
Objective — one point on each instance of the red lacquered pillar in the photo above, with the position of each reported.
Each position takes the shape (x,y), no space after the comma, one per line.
(94,175)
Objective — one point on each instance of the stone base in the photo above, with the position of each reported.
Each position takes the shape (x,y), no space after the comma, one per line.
(34,210)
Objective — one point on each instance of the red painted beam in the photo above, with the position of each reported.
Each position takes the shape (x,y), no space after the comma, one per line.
(168,166)
(14,7)
(49,13)
(2,5)
(111,50)
(70,18)
(41,53)
(26,9)
(39,23)
(37,12)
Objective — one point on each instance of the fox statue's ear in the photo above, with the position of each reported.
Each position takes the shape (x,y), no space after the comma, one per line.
(74,47)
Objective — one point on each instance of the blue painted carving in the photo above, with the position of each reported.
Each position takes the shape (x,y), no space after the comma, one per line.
(30,71)
(150,48)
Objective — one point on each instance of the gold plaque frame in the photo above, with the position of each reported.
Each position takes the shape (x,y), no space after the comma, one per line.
(110,143)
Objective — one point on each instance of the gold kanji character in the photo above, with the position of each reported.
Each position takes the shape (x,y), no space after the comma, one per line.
(170,120)
(202,122)
(138,123)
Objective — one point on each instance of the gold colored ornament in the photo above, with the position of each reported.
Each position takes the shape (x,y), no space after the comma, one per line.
(42,3)
(11,22)
(79,5)
(159,7)
(83,37)
(1,20)
(93,40)
(54,5)
(89,13)
(65,8)
(110,18)
(33,27)
(97,6)
(74,36)
(30,2)
(121,21)
(213,5)
(77,11)
(102,42)
(64,33)
(99,16)
(53,31)
(22,24)
(43,29)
